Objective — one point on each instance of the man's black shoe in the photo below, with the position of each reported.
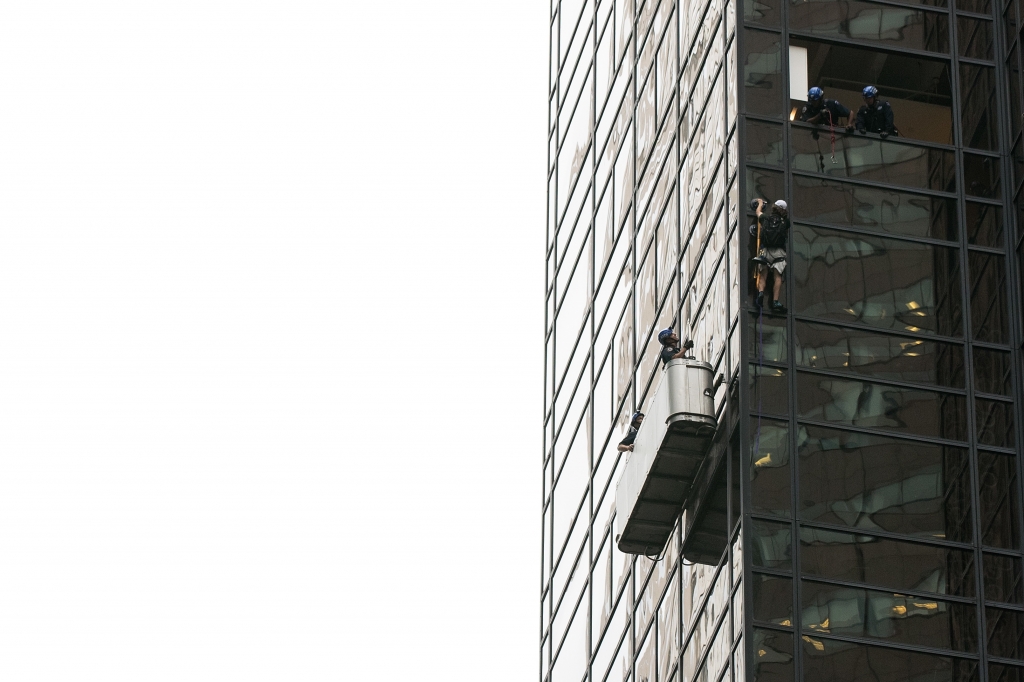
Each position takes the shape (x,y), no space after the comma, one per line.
(759,301)
(778,308)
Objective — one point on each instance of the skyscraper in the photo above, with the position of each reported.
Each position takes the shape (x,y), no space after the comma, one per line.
(858,516)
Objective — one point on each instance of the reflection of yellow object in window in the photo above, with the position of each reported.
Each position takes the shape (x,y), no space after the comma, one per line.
(764,461)
(912,328)
(792,114)
(899,610)
(813,642)
(912,355)
(913,305)
(926,605)
(762,652)
(910,344)
(787,623)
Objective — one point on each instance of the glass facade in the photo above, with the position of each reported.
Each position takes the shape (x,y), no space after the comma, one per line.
(859,515)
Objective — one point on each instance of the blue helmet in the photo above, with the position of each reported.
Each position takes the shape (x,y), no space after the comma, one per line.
(815,93)
(664,334)
(636,415)
(870,91)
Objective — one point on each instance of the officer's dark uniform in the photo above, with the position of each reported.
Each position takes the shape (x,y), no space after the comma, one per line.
(667,352)
(876,119)
(820,112)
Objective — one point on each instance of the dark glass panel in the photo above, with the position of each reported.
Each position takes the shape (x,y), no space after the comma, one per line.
(769,335)
(828,660)
(979,6)
(998,501)
(1004,673)
(762,12)
(1005,632)
(984,224)
(879,282)
(974,37)
(886,563)
(771,544)
(773,599)
(989,319)
(769,390)
(1013,76)
(1017,157)
(871,158)
(773,656)
(880,24)
(874,209)
(981,176)
(1003,578)
(867,404)
(763,184)
(821,346)
(763,83)
(992,371)
(871,482)
(978,113)
(995,422)
(896,618)
(769,467)
(764,142)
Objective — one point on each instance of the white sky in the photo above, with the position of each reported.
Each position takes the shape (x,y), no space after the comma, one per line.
(271,297)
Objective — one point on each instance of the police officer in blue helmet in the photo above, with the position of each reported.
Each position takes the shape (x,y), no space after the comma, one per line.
(823,111)
(875,116)
(670,349)
(634,426)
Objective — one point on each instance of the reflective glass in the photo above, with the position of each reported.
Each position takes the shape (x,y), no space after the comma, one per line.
(870,158)
(867,404)
(886,563)
(994,422)
(880,282)
(982,176)
(773,599)
(974,37)
(978,116)
(769,335)
(874,209)
(1005,673)
(764,142)
(1005,632)
(881,24)
(984,224)
(769,467)
(763,184)
(871,482)
(771,544)
(828,660)
(979,6)
(894,617)
(992,371)
(998,500)
(773,656)
(763,12)
(1003,578)
(764,85)
(898,358)
(769,390)
(989,317)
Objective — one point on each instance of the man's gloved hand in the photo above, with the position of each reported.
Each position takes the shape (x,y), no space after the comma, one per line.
(883,134)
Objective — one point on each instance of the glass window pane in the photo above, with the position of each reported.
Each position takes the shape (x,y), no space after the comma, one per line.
(984,224)
(869,158)
(880,24)
(981,176)
(875,281)
(992,371)
(1005,673)
(769,390)
(978,113)
(1003,578)
(769,467)
(894,617)
(1005,632)
(762,74)
(773,599)
(769,335)
(773,656)
(868,482)
(989,319)
(863,403)
(899,358)
(998,501)
(764,142)
(974,37)
(979,6)
(874,209)
(764,185)
(886,563)
(763,12)
(995,422)
(834,661)
(771,544)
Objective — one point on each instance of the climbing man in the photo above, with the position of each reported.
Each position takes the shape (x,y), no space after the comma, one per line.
(634,425)
(875,116)
(670,349)
(774,226)
(822,111)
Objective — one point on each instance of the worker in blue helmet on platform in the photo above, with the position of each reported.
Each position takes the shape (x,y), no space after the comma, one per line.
(634,426)
(875,116)
(823,111)
(670,349)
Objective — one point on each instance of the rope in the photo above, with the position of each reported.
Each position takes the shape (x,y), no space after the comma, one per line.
(832,133)
(760,365)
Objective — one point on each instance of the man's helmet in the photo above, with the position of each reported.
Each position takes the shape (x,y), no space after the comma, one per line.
(815,94)
(870,91)
(664,334)
(636,415)
(782,204)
